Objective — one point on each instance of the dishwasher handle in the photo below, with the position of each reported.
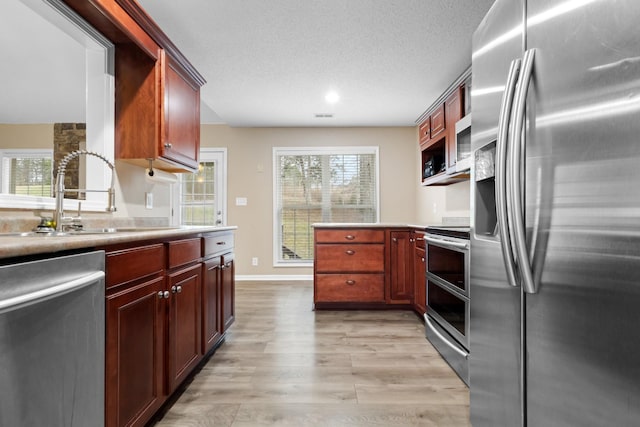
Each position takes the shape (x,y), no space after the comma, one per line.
(31,298)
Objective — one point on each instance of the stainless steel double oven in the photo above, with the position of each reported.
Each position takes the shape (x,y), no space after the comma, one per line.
(447,316)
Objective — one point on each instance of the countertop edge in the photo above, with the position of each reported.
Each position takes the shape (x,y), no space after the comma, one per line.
(18,246)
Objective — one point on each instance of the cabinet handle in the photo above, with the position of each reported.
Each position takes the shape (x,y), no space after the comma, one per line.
(349,237)
(350,282)
(349,252)
(419,239)
(221,243)
(222,267)
(168,145)
(163,294)
(395,239)
(176,289)
(227,265)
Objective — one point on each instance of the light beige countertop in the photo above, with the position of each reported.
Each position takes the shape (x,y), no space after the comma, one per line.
(366,225)
(14,245)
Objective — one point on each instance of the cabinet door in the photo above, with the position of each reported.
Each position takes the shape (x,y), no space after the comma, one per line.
(184,323)
(134,354)
(181,136)
(419,281)
(453,113)
(438,122)
(401,289)
(228,298)
(211,329)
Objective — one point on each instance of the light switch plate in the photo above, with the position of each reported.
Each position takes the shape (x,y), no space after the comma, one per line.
(241,201)
(148,200)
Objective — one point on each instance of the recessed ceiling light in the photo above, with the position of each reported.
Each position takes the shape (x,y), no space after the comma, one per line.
(332,97)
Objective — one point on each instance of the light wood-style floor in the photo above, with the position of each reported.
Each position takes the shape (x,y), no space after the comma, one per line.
(284,364)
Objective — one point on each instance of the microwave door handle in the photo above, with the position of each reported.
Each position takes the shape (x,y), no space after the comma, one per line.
(447,243)
(444,339)
(502,196)
(516,159)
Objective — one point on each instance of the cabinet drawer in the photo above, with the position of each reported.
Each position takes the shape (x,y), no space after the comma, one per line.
(217,243)
(349,288)
(350,236)
(339,258)
(182,252)
(131,264)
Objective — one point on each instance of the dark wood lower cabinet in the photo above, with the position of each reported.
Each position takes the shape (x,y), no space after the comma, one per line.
(165,309)
(401,287)
(183,346)
(228,299)
(419,281)
(211,317)
(135,331)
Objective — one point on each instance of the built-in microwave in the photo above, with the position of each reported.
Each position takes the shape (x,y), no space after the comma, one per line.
(463,144)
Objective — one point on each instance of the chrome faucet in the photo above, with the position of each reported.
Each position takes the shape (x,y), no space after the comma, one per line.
(60,190)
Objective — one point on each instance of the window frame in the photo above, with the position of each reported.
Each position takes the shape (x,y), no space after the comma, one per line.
(307,151)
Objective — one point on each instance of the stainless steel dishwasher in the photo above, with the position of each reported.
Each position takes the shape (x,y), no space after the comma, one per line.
(52,342)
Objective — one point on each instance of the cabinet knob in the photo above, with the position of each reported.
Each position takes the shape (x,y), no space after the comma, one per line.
(395,239)
(168,145)
(422,259)
(163,294)
(349,252)
(176,289)
(350,282)
(349,237)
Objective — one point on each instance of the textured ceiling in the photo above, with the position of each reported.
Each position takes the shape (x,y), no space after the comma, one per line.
(271,63)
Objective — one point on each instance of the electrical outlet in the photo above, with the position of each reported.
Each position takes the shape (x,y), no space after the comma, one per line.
(254,261)
(148,200)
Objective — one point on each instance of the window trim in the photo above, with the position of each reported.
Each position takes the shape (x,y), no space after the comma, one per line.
(305,151)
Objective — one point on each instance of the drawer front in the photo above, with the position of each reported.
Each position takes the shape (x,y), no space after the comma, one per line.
(339,258)
(217,243)
(349,288)
(354,235)
(131,264)
(182,252)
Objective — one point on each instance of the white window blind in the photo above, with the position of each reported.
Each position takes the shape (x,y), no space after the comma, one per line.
(338,184)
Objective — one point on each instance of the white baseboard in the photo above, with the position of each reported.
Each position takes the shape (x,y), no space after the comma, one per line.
(273,278)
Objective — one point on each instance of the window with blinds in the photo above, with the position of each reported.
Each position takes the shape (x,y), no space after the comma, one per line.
(336,184)
(27,173)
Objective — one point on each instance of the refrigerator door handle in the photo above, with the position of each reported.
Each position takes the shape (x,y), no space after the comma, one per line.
(517,150)
(502,196)
(445,340)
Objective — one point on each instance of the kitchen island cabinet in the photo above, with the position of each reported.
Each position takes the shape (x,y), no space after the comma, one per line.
(349,267)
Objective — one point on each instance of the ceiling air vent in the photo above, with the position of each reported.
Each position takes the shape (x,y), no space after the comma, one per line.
(324,116)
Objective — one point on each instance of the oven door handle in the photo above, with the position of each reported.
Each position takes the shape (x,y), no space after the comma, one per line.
(447,243)
(444,339)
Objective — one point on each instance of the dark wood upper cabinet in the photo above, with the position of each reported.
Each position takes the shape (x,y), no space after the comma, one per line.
(454,111)
(157,88)
(438,122)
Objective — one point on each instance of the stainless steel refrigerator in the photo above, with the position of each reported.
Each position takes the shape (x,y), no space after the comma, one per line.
(555,239)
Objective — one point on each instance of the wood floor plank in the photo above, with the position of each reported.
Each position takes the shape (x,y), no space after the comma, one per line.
(284,364)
